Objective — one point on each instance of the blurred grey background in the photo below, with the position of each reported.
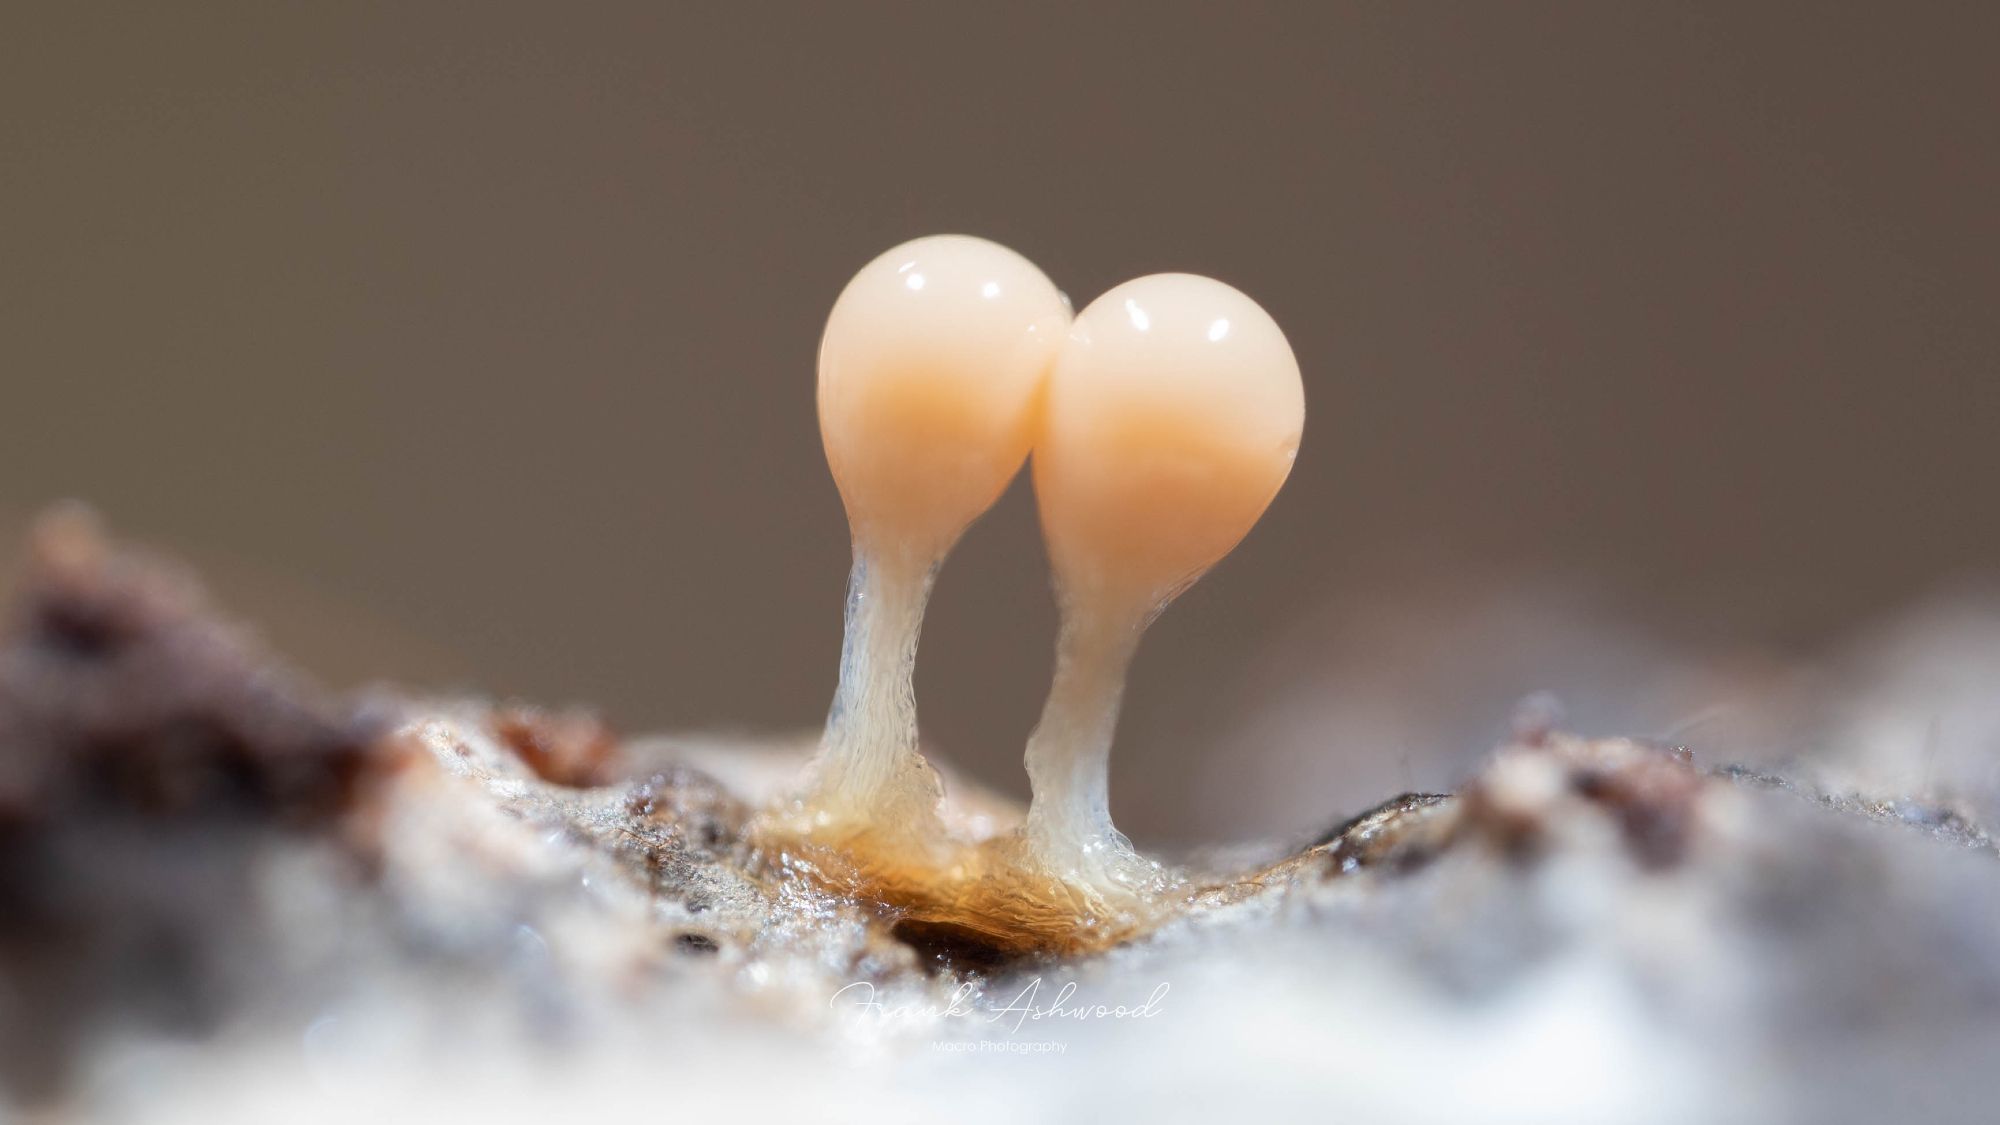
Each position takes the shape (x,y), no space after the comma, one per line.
(471,346)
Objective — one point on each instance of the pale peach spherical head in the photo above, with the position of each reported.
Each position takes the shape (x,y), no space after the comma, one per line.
(930,377)
(1173,416)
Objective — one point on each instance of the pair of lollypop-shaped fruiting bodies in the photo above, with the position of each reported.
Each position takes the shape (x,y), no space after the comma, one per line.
(1162,420)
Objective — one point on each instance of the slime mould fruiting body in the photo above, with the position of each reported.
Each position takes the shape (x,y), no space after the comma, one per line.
(1161,422)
